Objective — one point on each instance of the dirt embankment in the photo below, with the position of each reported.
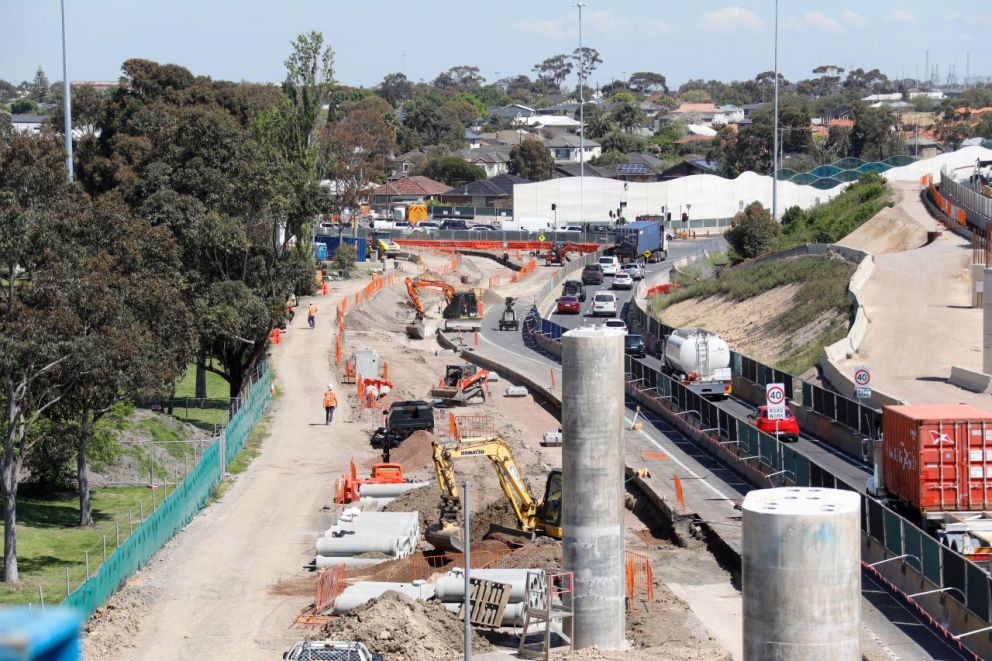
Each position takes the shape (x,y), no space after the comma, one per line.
(896,228)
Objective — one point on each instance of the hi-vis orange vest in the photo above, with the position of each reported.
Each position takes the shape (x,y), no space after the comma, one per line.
(312,310)
(330,399)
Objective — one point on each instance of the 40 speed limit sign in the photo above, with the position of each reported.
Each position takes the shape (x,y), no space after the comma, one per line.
(862,381)
(775,400)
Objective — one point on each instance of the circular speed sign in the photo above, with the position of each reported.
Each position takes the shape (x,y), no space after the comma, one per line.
(862,377)
(775,395)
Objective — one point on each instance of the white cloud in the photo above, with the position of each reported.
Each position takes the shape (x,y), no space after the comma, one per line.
(731,18)
(547,29)
(823,23)
(903,16)
(854,19)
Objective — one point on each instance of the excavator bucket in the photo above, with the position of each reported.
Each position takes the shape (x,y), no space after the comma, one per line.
(445,538)
(420,329)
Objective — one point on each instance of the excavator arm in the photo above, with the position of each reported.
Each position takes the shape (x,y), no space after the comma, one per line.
(413,285)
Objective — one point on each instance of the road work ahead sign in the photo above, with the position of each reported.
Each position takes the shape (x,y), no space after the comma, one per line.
(775,400)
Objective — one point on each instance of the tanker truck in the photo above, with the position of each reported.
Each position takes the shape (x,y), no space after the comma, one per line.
(699,360)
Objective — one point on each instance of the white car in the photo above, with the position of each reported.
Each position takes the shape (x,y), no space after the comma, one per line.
(616,323)
(604,304)
(635,270)
(622,280)
(572,228)
(610,265)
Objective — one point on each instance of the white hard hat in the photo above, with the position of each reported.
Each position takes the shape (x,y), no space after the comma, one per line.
(330,385)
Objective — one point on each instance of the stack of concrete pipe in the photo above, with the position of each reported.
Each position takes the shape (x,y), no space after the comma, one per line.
(394,534)
(450,590)
(377,496)
(363,592)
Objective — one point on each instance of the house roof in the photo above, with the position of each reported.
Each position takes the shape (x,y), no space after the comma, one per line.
(514,137)
(849,123)
(416,185)
(560,121)
(27,119)
(471,135)
(498,154)
(498,186)
(958,111)
(695,108)
(568,140)
(573,170)
(644,159)
(691,138)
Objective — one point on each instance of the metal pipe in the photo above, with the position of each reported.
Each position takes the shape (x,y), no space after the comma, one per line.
(947,589)
(468,564)
(896,557)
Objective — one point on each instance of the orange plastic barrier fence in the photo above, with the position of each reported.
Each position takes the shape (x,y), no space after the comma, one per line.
(327,588)
(438,244)
(275,336)
(640,577)
(493,281)
(472,426)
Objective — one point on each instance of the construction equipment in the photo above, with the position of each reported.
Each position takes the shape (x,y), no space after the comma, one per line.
(532,515)
(460,385)
(346,489)
(461,313)
(402,419)
(382,242)
(558,252)
(508,320)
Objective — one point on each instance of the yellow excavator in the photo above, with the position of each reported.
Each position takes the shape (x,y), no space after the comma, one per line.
(534,517)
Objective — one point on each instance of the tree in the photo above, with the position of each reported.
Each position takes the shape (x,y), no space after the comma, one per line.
(695,96)
(646,82)
(599,124)
(86,103)
(587,60)
(7,90)
(622,96)
(462,77)
(752,232)
(628,117)
(622,142)
(838,143)
(428,125)
(554,70)
(24,106)
(610,158)
(531,160)
(452,170)
(309,74)
(794,123)
(873,137)
(395,88)
(39,86)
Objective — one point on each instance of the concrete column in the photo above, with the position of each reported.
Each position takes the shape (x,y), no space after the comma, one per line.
(987,322)
(977,284)
(802,574)
(592,483)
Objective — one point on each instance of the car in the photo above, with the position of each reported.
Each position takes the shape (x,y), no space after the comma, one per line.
(404,227)
(572,228)
(569,304)
(622,280)
(601,228)
(454,225)
(574,288)
(592,274)
(786,428)
(604,303)
(483,228)
(428,224)
(635,270)
(610,265)
(633,345)
(619,324)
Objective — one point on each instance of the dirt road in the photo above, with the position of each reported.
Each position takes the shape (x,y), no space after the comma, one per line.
(211,593)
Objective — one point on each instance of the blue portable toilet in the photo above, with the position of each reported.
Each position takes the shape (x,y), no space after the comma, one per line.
(321,252)
(33,634)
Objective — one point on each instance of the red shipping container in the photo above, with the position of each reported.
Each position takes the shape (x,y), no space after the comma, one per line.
(938,458)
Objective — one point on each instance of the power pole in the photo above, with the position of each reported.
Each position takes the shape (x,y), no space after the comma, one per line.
(582,112)
(775,128)
(66,101)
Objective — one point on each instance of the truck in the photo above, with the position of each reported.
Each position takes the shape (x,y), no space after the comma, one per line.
(935,462)
(699,360)
(642,239)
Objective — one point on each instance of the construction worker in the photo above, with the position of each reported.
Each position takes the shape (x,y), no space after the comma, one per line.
(312,315)
(330,403)
(291,307)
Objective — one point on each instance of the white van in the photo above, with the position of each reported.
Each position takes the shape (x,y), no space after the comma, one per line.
(604,304)
(610,265)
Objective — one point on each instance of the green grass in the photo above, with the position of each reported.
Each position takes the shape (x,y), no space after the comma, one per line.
(171,440)
(48,539)
(822,284)
(217,387)
(204,417)
(832,221)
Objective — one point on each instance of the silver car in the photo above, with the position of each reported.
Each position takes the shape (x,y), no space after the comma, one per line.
(635,270)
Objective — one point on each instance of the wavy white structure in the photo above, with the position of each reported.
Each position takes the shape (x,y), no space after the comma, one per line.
(702,195)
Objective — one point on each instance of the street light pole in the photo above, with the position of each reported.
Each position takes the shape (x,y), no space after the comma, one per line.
(775,130)
(66,102)
(582,113)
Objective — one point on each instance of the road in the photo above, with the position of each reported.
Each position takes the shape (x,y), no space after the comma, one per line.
(890,630)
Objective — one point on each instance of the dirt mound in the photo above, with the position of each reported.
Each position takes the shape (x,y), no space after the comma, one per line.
(424,500)
(415,453)
(405,629)
(498,513)
(893,229)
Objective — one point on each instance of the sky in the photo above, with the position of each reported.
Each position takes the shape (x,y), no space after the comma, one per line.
(249,39)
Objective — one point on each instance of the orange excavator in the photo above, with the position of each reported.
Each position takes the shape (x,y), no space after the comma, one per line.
(558,252)
(460,313)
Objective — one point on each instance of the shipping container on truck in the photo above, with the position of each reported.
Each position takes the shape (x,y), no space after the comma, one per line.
(644,239)
(936,460)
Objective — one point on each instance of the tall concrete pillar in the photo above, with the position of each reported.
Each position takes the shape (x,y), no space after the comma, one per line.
(987,322)
(592,483)
(802,574)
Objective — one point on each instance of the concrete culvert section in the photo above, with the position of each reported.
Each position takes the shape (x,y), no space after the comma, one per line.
(802,574)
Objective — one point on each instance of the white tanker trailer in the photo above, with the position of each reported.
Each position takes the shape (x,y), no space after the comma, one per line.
(698,359)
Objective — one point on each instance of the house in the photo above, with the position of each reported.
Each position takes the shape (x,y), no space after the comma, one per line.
(639,167)
(729,114)
(567,107)
(554,123)
(883,98)
(405,164)
(27,124)
(514,137)
(749,108)
(514,111)
(696,112)
(494,160)
(496,192)
(565,148)
(650,110)
(473,139)
(692,164)
(407,190)
(843,122)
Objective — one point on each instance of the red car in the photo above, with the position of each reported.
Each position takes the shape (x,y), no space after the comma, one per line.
(787,428)
(569,304)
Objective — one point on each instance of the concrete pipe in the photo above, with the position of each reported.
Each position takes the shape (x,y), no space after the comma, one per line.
(452,589)
(373,504)
(323,561)
(388,490)
(364,592)
(592,483)
(356,544)
(801,566)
